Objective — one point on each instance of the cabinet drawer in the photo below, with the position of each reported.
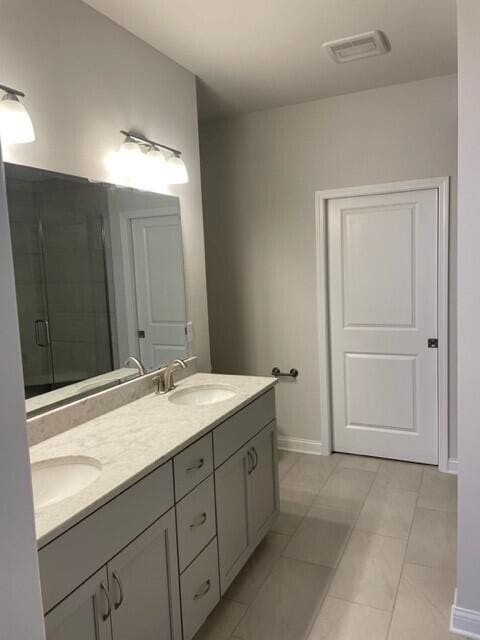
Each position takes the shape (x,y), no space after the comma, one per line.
(237,430)
(200,590)
(193,465)
(195,522)
(75,555)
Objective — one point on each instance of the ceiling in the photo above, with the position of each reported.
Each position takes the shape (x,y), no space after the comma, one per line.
(257,54)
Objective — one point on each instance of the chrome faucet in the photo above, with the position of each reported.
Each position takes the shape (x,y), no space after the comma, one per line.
(141,369)
(164,381)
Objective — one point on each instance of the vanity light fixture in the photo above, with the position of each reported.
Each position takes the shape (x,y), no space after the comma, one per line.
(153,158)
(15,123)
(176,170)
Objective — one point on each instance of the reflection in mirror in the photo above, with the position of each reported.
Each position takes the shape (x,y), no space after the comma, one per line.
(99,277)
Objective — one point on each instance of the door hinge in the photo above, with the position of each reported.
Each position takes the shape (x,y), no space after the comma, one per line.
(432,343)
(141,333)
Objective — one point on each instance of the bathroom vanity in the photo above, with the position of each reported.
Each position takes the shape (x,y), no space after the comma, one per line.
(186,486)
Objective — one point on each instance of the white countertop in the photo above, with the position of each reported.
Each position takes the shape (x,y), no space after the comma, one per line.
(133,440)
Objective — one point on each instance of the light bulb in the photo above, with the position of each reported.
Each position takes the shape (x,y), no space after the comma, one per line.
(130,158)
(155,170)
(176,170)
(15,124)
(156,162)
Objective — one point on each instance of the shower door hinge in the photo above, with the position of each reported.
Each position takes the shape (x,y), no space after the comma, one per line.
(432,343)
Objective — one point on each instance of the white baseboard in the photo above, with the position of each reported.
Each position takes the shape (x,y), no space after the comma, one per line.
(465,622)
(452,465)
(299,445)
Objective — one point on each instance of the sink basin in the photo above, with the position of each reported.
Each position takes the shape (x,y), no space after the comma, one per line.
(201,395)
(55,479)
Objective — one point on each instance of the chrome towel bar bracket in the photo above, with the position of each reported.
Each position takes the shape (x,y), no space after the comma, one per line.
(293,373)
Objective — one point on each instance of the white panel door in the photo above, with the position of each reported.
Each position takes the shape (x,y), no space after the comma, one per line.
(383,310)
(159,288)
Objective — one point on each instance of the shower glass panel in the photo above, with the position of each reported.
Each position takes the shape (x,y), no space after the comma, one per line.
(30,285)
(58,238)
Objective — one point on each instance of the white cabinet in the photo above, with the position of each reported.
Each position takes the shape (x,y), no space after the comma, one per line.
(143,585)
(246,501)
(84,615)
(263,479)
(135,596)
(232,484)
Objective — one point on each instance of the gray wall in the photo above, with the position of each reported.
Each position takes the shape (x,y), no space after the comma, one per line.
(87,78)
(260,172)
(469,308)
(20,602)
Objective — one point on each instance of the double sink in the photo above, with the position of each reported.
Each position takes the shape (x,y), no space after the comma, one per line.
(56,479)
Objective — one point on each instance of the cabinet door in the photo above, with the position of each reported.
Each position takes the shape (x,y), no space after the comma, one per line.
(84,615)
(144,589)
(264,482)
(232,488)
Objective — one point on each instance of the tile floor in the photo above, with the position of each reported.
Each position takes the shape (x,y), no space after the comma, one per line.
(363,549)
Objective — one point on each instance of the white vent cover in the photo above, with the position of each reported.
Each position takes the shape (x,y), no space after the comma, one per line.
(364,45)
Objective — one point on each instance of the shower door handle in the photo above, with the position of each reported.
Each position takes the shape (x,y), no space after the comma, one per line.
(38,341)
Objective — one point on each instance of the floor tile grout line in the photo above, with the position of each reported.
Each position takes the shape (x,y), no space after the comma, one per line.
(403,561)
(360,604)
(383,535)
(435,510)
(431,566)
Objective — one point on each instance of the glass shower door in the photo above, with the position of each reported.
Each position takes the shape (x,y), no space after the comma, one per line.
(75,278)
(30,287)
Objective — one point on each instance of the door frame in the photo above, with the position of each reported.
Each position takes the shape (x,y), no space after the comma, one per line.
(442,185)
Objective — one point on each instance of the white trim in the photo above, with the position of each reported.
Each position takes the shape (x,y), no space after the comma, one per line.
(452,466)
(299,445)
(321,203)
(465,622)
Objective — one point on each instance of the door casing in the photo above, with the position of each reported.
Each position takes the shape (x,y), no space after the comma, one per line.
(442,185)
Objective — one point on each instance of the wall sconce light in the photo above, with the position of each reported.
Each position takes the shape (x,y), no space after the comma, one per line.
(15,123)
(139,157)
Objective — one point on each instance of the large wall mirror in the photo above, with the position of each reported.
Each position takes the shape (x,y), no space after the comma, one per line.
(99,277)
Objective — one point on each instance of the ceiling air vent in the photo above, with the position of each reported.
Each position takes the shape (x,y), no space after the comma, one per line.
(372,43)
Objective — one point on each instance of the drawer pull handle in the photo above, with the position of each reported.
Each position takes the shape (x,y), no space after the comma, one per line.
(250,462)
(202,520)
(196,466)
(106,615)
(203,591)
(120,590)
(255,464)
